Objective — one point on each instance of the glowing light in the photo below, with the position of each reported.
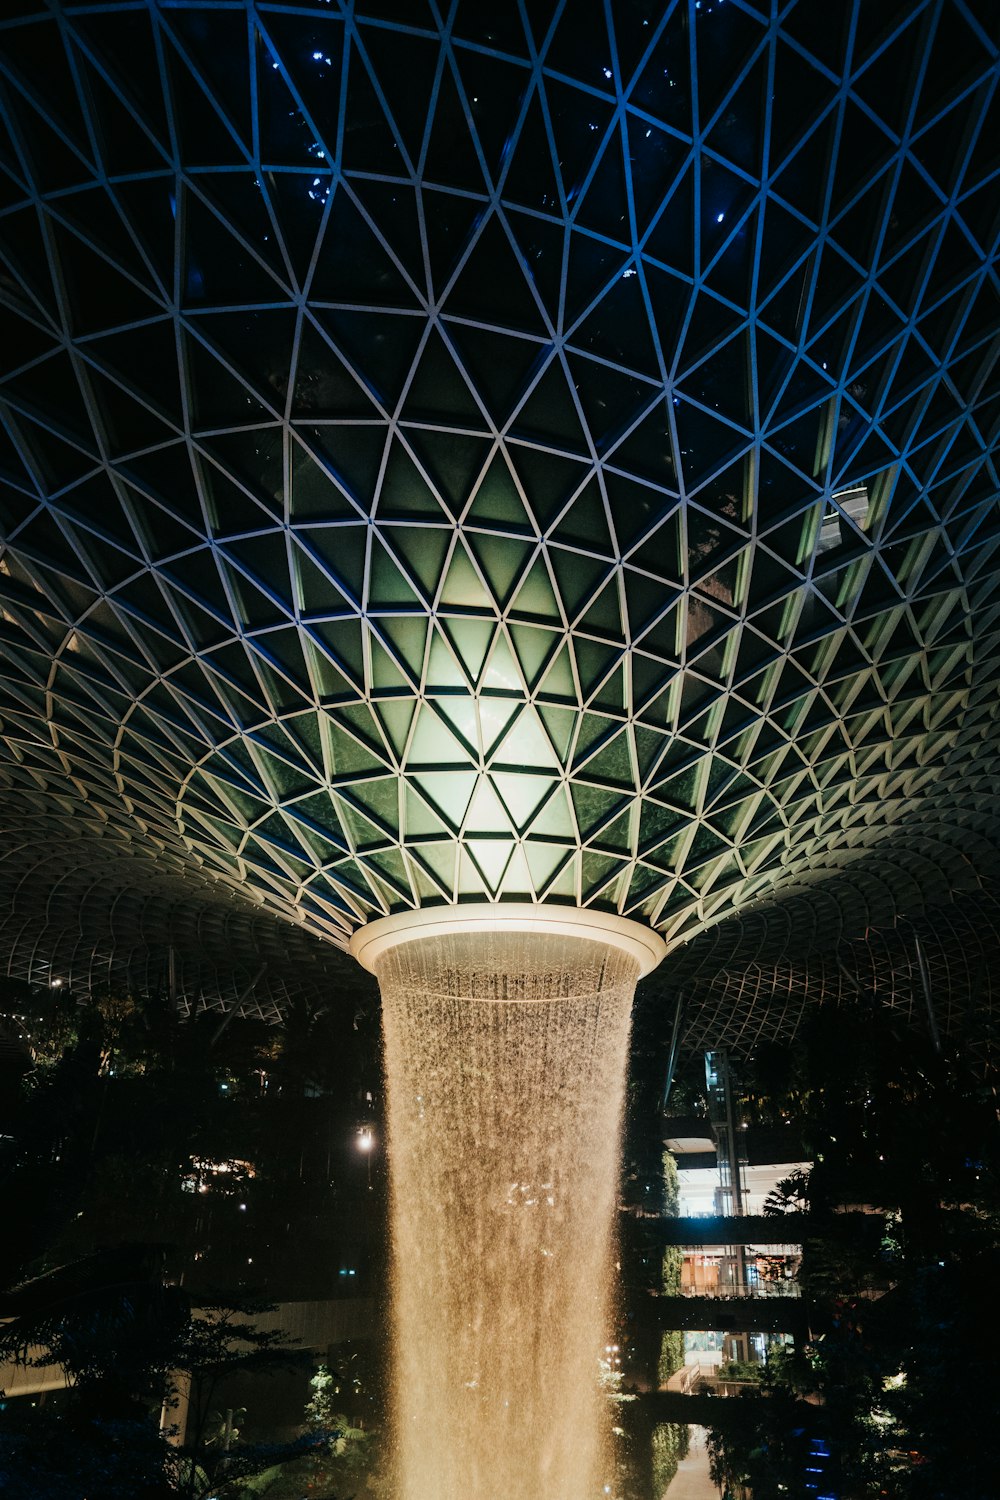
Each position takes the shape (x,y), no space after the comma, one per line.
(484,1045)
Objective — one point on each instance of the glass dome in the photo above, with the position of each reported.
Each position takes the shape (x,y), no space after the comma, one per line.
(544,457)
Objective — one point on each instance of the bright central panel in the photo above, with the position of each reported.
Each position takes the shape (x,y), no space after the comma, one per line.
(506,1047)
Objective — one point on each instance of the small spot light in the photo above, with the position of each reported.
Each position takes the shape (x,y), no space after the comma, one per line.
(366,1139)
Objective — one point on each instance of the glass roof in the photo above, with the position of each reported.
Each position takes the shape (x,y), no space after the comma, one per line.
(541,455)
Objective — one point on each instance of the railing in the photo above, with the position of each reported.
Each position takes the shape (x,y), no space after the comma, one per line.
(741,1291)
(690,1378)
(714,1386)
(699,1379)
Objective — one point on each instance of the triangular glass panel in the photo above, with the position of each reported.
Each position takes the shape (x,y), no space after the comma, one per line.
(325,387)
(521,795)
(405,66)
(498,501)
(462,587)
(547,480)
(517,878)
(613,763)
(542,242)
(444,669)
(535,599)
(207,135)
(672,237)
(605,206)
(353,452)
(559,683)
(339,551)
(418,819)
(454,462)
(491,857)
(585,524)
(438,391)
(395,718)
(433,743)
(577,576)
(381,347)
(603,615)
(342,640)
(450,792)
(543,862)
(579,126)
(494,90)
(486,812)
(611,400)
(459,711)
(726,198)
(353,265)
(422,551)
(388,586)
(593,268)
(405,494)
(501,563)
(314,70)
(370,140)
(470,640)
(647,451)
(493,286)
(439,861)
(313,496)
(385,674)
(525,744)
(549,415)
(499,365)
(530,177)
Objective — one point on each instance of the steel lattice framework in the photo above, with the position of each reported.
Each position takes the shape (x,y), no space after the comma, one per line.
(457,452)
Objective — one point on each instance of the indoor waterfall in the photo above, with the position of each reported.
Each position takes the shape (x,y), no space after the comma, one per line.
(505,1061)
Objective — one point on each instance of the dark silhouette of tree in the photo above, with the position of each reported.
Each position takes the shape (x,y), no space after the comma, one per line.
(896,1356)
(121,1334)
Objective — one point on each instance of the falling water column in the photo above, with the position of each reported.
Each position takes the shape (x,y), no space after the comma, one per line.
(506,1033)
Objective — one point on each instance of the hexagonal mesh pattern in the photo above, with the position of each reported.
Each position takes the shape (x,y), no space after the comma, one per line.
(542,452)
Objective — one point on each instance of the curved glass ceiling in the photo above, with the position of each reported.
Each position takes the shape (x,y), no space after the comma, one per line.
(532,452)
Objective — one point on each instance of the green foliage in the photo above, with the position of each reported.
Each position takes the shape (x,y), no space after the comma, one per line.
(672,1341)
(671,1355)
(319,1407)
(670,1445)
(897,1356)
(791,1195)
(343,1440)
(58,1458)
(738,1369)
(119,1331)
(241,1470)
(51,1028)
(671,1186)
(762,1451)
(673,1263)
(109,1321)
(342,1453)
